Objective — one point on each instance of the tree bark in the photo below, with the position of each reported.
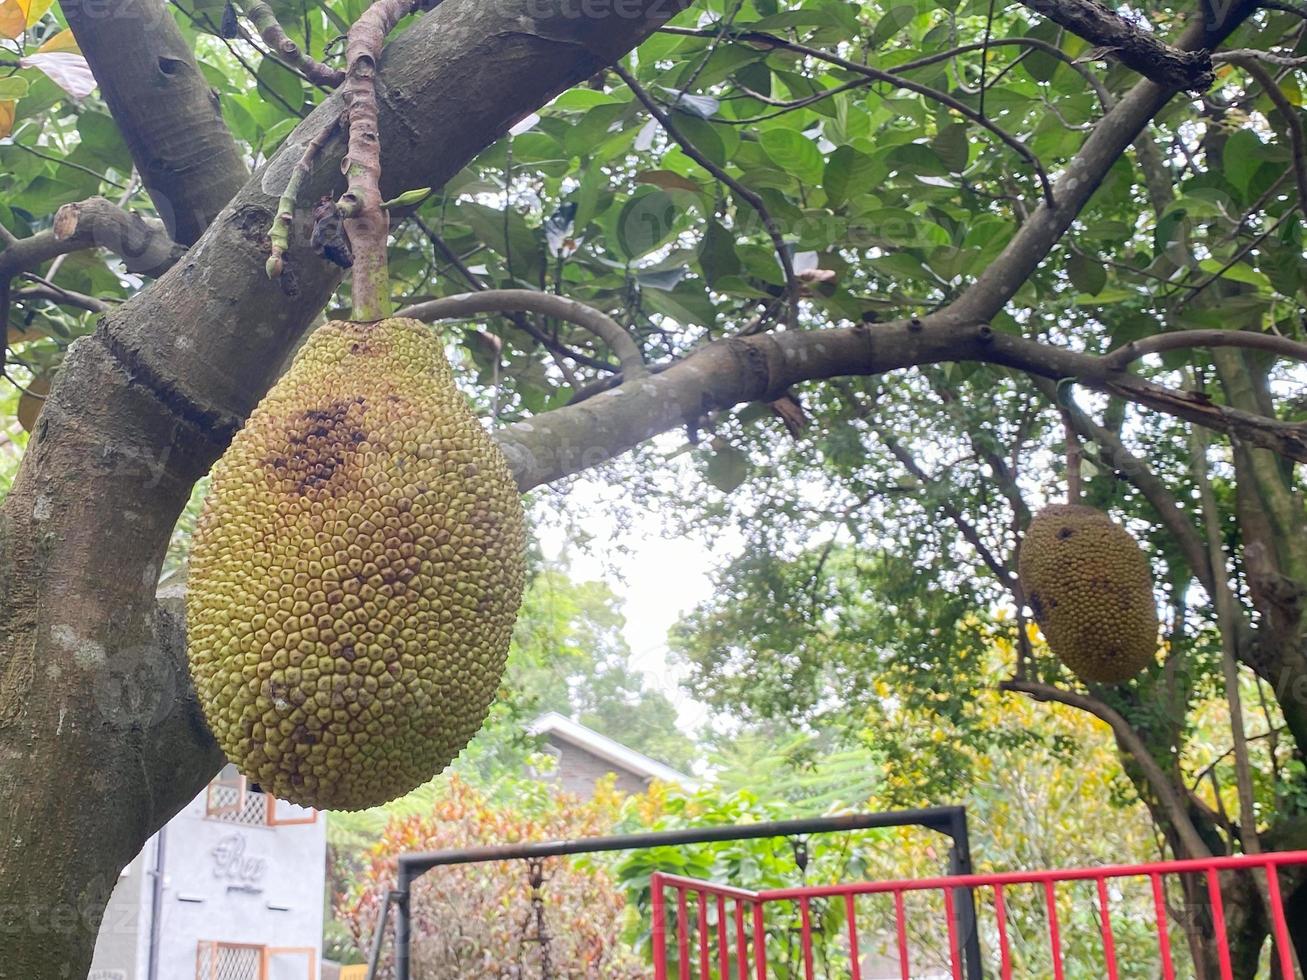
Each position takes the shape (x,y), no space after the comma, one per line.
(167,113)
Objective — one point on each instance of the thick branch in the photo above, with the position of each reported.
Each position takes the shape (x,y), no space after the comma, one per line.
(529,301)
(144,246)
(1130,740)
(1129,43)
(744,369)
(164,108)
(1111,136)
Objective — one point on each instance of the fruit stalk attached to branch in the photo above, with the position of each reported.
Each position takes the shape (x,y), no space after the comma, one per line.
(367,222)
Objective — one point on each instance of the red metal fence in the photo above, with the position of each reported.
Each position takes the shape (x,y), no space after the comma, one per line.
(722,933)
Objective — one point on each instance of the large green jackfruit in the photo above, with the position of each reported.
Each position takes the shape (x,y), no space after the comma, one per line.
(356,573)
(1091,590)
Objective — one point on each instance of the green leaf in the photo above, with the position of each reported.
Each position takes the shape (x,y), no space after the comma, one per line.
(794,153)
(1086,275)
(12,88)
(279,84)
(891,23)
(717,256)
(1239,272)
(917,159)
(953,146)
(1243,155)
(103,142)
(667,180)
(727,469)
(646,221)
(849,173)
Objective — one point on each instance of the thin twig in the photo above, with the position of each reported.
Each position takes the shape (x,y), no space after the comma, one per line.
(750,196)
(265,21)
(551,304)
(1185,339)
(893,78)
(1234,260)
(69,163)
(521,322)
(1236,55)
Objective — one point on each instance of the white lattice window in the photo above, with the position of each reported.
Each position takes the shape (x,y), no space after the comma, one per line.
(228,961)
(230,798)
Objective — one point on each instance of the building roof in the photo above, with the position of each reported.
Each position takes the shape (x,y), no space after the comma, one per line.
(573,732)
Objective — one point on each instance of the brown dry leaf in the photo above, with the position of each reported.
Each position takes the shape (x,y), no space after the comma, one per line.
(8,113)
(788,409)
(32,401)
(17,16)
(13,18)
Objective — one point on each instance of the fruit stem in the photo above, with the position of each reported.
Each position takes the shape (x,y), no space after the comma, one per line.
(1074,458)
(366,220)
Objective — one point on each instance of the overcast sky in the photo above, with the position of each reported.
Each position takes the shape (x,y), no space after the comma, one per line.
(660,577)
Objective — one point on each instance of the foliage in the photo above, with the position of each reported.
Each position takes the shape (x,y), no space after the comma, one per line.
(879,538)
(479,920)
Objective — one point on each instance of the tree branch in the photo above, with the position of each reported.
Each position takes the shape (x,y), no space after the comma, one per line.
(1129,739)
(270,29)
(1185,339)
(1129,43)
(522,323)
(1112,135)
(745,369)
(144,246)
(63,297)
(529,301)
(165,110)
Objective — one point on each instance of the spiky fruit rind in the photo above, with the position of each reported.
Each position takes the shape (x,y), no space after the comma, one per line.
(1090,587)
(355,574)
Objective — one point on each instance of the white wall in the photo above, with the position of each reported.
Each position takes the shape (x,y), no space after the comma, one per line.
(229,882)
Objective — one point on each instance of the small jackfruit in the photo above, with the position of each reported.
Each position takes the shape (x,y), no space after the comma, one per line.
(1091,590)
(356,573)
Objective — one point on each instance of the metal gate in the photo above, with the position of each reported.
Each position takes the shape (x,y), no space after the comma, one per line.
(950,821)
(722,933)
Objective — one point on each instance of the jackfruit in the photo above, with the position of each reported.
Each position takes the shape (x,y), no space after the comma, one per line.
(355,574)
(1091,590)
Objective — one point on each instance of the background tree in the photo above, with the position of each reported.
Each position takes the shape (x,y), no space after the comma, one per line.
(794,215)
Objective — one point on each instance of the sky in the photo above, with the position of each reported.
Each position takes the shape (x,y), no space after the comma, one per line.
(659,577)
